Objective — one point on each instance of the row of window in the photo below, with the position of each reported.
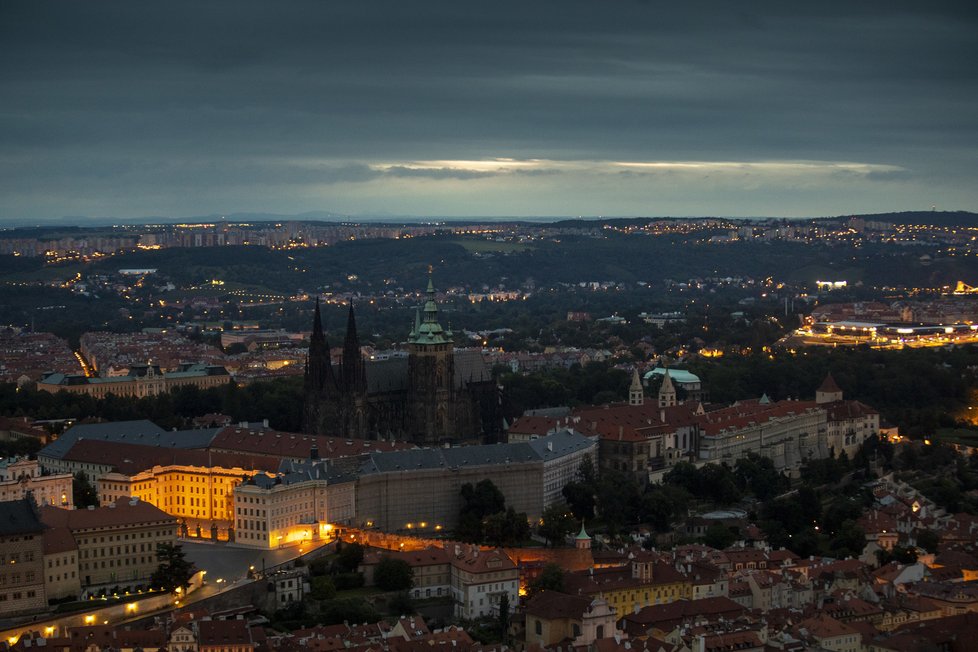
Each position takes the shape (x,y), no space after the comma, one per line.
(15,557)
(15,578)
(123,537)
(18,595)
(113,563)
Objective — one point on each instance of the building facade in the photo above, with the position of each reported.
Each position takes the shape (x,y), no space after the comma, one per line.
(21,558)
(299,506)
(419,491)
(20,477)
(480,578)
(142,380)
(117,543)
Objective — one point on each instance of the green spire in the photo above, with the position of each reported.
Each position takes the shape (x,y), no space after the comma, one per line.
(427,330)
(583,533)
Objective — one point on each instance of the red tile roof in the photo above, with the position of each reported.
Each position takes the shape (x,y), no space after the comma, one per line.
(124,513)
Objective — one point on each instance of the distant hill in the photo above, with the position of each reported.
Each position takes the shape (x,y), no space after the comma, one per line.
(936,218)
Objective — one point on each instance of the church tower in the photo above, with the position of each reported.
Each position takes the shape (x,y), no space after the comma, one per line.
(667,393)
(829,391)
(319,405)
(636,395)
(354,381)
(431,374)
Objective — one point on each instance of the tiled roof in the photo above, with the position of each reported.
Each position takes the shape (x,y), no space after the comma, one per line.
(223,632)
(824,626)
(553,446)
(277,443)
(19,517)
(124,513)
(141,432)
(58,540)
(550,605)
(130,459)
(742,416)
(482,561)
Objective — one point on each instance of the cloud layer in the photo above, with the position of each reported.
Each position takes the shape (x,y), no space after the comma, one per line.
(504,108)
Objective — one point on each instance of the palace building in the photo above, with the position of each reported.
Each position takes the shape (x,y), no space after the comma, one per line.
(433,395)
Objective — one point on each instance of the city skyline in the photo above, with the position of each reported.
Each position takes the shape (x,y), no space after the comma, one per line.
(568,109)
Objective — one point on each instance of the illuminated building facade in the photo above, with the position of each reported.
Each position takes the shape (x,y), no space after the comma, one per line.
(20,477)
(143,380)
(300,505)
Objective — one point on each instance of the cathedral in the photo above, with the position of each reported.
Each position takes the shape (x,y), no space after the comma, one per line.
(433,395)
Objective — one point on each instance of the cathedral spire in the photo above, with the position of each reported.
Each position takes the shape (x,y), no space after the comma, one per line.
(667,392)
(319,369)
(427,330)
(317,322)
(636,395)
(354,374)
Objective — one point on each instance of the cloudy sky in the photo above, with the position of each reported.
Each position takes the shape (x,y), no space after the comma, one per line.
(126,109)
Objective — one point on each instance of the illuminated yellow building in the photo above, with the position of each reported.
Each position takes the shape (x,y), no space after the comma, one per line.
(641,583)
(193,485)
(299,506)
(199,493)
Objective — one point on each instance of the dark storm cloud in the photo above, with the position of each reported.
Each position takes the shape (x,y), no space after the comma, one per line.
(238,105)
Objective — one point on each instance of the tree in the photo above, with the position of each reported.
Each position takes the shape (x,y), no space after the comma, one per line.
(551,578)
(174,570)
(478,502)
(400,604)
(556,524)
(503,615)
(719,536)
(393,574)
(322,588)
(580,498)
(850,541)
(349,558)
(83,493)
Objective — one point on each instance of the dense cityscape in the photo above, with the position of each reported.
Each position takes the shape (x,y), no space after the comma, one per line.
(488,327)
(193,476)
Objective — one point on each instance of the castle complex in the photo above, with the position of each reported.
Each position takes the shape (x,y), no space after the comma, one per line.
(433,395)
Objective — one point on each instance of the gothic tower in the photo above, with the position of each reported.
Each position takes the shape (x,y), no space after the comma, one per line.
(354,382)
(319,408)
(667,392)
(431,375)
(636,395)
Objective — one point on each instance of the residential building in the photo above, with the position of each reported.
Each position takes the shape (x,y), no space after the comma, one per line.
(224,636)
(21,558)
(479,580)
(830,634)
(645,580)
(432,569)
(116,543)
(61,572)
